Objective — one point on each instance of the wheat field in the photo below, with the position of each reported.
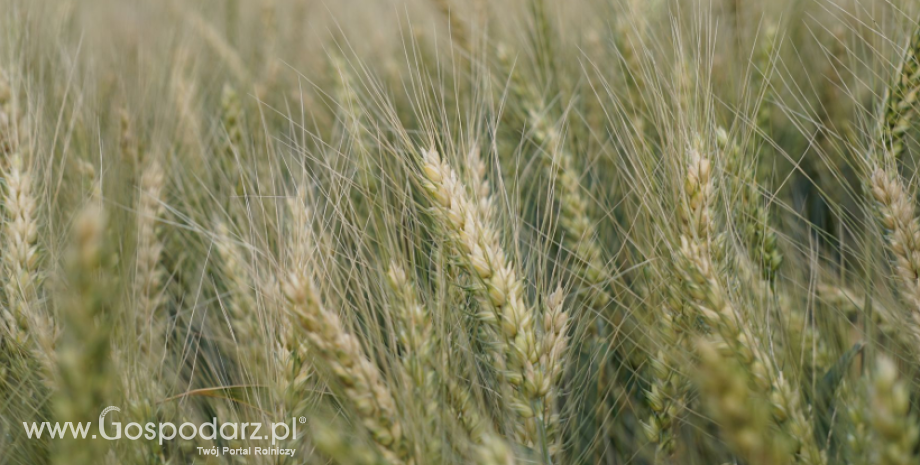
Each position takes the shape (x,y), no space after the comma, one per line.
(409,232)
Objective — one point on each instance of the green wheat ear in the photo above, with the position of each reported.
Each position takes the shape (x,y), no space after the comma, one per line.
(84,370)
(900,106)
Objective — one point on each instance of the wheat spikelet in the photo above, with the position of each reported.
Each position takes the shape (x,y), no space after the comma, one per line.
(21,258)
(667,398)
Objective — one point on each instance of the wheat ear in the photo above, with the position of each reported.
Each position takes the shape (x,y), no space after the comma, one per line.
(894,426)
(83,352)
(526,365)
(23,315)
(894,205)
(900,101)
(359,378)
(744,423)
(242,308)
(699,249)
(148,269)
(895,211)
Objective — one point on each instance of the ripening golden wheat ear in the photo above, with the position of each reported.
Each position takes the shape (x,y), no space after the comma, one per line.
(416,338)
(529,368)
(142,388)
(895,428)
(358,143)
(894,205)
(360,380)
(414,333)
(149,272)
(24,316)
(700,269)
(896,214)
(240,297)
(291,358)
(579,235)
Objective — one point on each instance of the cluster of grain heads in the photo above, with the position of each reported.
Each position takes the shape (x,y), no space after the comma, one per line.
(357,376)
(521,360)
(896,430)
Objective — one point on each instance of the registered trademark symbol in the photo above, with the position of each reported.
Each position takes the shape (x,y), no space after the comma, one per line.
(303,420)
